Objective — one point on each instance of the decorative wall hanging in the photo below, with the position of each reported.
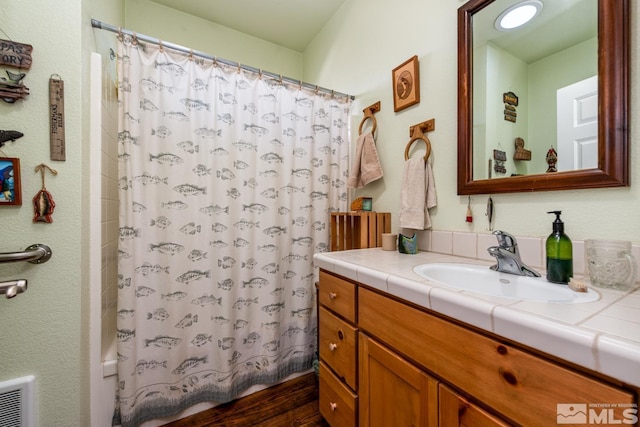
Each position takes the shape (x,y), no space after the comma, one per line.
(9,135)
(406,84)
(489,213)
(56,118)
(17,55)
(510,100)
(10,194)
(43,203)
(552,159)
(521,153)
(12,88)
(469,217)
(500,157)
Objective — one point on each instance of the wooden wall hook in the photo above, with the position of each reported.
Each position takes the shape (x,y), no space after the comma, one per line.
(417,132)
(369,114)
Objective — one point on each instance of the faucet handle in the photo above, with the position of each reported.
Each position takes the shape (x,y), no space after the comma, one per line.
(505,240)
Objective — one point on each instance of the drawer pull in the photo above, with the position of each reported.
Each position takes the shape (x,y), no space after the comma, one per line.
(333,295)
(332,346)
(333,406)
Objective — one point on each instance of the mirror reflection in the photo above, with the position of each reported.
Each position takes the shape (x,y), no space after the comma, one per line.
(535,100)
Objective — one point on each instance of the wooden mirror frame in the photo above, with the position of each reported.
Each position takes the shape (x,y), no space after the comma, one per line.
(613,108)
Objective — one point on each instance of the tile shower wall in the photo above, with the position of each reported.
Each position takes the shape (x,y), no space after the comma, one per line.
(109,211)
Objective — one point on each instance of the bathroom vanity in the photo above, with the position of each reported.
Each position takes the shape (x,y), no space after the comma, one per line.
(396,349)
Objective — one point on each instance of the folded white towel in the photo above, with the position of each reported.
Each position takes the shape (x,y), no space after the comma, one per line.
(418,194)
(366,165)
(431,199)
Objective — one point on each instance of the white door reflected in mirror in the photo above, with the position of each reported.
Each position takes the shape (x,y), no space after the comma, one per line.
(577,110)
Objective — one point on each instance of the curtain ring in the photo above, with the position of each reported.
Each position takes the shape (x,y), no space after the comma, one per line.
(260,74)
(120,35)
(281,82)
(135,39)
(239,68)
(317,90)
(190,54)
(160,45)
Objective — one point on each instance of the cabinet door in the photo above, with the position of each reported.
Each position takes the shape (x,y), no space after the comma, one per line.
(455,411)
(392,391)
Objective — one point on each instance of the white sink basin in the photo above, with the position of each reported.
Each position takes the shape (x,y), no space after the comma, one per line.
(483,280)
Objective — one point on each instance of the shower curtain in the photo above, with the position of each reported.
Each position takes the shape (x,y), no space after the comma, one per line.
(226,182)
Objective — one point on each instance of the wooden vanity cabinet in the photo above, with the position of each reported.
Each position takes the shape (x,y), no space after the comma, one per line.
(416,368)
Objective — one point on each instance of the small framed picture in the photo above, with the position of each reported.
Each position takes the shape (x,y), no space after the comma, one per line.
(406,84)
(10,191)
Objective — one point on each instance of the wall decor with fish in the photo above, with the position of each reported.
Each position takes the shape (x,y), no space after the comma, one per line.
(43,203)
(16,55)
(9,135)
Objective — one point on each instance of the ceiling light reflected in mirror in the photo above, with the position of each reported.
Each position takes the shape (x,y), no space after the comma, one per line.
(518,15)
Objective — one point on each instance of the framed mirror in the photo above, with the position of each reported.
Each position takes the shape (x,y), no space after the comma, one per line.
(499,103)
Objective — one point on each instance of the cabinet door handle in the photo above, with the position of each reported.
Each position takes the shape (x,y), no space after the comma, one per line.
(333,406)
(333,295)
(332,346)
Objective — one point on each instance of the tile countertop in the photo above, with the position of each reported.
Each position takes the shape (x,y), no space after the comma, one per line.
(603,336)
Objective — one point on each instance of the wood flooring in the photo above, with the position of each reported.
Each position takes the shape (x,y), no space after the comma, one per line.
(290,404)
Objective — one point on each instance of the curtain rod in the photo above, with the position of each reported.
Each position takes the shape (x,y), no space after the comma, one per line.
(103,26)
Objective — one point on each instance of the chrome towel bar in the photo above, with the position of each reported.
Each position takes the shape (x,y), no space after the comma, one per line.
(13,287)
(35,254)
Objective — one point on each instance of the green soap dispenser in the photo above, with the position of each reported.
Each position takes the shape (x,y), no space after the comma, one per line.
(559,253)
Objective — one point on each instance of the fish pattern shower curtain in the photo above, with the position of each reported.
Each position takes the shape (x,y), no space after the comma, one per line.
(226,182)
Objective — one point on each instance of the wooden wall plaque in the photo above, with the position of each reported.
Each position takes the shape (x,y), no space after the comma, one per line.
(17,55)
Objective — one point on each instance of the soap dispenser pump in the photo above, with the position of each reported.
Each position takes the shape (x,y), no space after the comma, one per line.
(559,253)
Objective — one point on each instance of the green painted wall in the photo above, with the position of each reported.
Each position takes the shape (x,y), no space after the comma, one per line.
(43,330)
(162,22)
(356,52)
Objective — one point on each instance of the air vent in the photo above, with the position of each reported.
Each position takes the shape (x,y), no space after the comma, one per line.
(16,402)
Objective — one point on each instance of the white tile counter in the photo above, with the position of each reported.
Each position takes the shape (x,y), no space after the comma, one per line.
(603,336)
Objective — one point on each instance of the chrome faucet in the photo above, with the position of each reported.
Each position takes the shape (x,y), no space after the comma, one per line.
(507,256)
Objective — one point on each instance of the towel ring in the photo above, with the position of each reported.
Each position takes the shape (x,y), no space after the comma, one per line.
(418,135)
(368,115)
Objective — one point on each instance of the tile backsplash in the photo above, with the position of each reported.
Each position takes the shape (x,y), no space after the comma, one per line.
(473,245)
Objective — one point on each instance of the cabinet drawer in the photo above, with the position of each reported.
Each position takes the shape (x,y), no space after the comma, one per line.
(523,387)
(338,345)
(337,403)
(337,294)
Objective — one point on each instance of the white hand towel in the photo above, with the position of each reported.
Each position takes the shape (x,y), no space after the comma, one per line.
(431,198)
(418,194)
(413,194)
(366,165)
